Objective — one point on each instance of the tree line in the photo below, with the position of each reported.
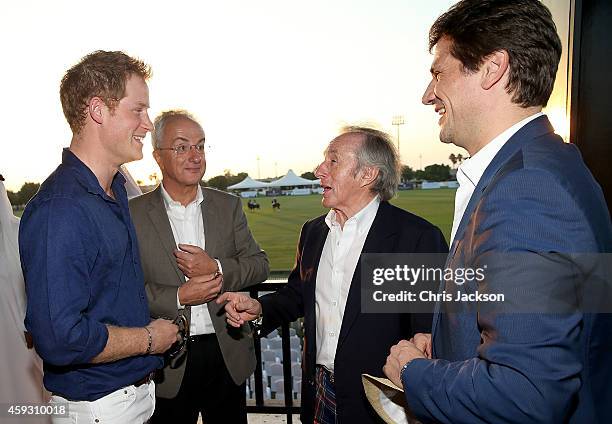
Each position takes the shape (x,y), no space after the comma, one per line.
(23,196)
(435,172)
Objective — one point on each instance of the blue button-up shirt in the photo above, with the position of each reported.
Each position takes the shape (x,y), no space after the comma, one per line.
(80,260)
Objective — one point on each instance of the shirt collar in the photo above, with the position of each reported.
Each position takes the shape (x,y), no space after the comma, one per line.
(86,176)
(472,169)
(363,219)
(169,202)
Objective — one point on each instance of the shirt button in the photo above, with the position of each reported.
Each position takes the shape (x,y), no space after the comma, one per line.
(334,303)
(332,334)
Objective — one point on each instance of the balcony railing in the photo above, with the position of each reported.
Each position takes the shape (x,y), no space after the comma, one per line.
(260,407)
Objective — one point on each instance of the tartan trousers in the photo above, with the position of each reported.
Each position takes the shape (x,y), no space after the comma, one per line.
(325,397)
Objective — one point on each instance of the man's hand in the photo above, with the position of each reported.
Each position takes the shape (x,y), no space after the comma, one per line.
(163,335)
(239,308)
(194,261)
(200,289)
(423,342)
(401,354)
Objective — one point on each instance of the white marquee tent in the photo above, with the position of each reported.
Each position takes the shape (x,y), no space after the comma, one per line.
(292,180)
(248,184)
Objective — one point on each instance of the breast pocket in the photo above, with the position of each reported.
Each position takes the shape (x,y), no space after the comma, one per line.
(109,267)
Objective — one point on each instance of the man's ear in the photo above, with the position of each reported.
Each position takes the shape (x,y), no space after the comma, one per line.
(368,175)
(157,157)
(494,67)
(96,109)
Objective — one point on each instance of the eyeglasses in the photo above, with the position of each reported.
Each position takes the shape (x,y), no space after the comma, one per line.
(181,149)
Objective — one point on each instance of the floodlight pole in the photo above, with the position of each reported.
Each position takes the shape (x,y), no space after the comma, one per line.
(397,121)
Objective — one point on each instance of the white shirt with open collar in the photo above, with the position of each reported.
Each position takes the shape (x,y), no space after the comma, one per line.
(337,265)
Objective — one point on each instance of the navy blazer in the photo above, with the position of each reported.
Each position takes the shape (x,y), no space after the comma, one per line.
(536,197)
(365,339)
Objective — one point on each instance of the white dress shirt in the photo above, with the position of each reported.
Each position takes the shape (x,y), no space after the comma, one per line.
(188,228)
(336,268)
(470,171)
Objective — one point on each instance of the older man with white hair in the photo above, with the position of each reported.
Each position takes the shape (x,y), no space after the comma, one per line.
(359,175)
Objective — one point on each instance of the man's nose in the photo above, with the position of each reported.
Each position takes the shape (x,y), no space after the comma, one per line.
(428,96)
(194,155)
(319,171)
(146,123)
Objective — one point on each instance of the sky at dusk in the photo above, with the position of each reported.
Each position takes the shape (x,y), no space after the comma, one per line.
(272,79)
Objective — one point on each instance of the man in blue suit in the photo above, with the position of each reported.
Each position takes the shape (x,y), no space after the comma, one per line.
(526,205)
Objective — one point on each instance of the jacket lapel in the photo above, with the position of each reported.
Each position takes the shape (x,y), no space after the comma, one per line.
(536,128)
(161,224)
(533,129)
(309,264)
(377,241)
(209,216)
(311,256)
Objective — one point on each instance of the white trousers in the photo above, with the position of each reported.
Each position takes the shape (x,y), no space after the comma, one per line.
(131,404)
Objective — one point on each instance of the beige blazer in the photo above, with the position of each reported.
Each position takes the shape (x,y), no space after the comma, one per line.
(229,239)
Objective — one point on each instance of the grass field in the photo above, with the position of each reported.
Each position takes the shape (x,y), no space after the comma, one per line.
(277,232)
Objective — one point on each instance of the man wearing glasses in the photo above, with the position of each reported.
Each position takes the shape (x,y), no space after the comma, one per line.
(195,243)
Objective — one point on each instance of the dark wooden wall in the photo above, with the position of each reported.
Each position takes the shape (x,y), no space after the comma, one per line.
(591,88)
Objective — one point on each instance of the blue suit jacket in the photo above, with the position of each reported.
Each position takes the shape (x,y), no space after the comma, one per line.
(536,197)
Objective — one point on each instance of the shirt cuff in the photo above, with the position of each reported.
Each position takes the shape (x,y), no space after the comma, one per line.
(219,265)
(401,374)
(416,385)
(178,302)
